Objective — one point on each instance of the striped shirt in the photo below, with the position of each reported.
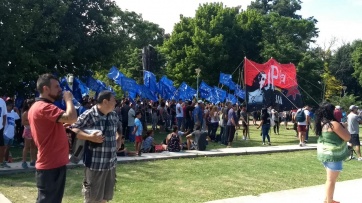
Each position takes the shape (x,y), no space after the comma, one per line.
(104,157)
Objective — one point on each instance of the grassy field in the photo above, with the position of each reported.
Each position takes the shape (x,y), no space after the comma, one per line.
(286,137)
(194,180)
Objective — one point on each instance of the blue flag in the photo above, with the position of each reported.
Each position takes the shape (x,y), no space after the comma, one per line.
(226,79)
(130,85)
(149,80)
(205,90)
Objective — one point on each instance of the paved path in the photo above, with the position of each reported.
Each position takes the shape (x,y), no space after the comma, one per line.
(347,191)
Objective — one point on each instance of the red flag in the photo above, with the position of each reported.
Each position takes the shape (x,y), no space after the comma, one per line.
(274,74)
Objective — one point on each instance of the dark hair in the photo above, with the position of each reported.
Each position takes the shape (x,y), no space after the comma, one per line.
(44,80)
(106,94)
(9,102)
(137,113)
(257,79)
(27,104)
(324,115)
(148,133)
(197,126)
(174,128)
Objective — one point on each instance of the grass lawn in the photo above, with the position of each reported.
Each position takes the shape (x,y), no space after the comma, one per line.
(195,180)
(286,137)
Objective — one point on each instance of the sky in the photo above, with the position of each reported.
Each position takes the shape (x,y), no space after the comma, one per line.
(339,19)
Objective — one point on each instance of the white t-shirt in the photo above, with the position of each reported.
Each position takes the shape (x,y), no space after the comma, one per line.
(306,112)
(3,112)
(179,111)
(9,131)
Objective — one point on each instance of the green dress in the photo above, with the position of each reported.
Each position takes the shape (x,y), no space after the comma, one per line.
(331,148)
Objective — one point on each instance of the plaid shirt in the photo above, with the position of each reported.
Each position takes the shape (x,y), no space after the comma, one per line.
(104,157)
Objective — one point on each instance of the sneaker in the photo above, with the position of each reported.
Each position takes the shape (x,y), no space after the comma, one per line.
(300,145)
(305,141)
(4,165)
(24,165)
(263,143)
(303,144)
(269,143)
(359,159)
(32,163)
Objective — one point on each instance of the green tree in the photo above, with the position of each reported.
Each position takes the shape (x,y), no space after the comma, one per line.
(357,60)
(341,66)
(286,8)
(310,82)
(54,36)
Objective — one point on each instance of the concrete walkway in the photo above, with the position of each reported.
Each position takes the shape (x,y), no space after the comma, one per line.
(347,191)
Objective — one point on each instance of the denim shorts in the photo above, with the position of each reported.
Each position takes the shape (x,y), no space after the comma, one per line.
(8,141)
(333,166)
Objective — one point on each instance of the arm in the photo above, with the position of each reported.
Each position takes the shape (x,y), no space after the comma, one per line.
(119,140)
(70,115)
(4,120)
(261,123)
(94,137)
(341,131)
(24,119)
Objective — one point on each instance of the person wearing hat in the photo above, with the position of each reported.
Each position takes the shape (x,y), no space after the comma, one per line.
(353,121)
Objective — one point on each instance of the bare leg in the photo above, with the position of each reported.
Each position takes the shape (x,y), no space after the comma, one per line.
(358,151)
(26,149)
(330,184)
(33,151)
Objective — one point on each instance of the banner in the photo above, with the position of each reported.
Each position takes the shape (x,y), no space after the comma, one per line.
(271,84)
(145,92)
(219,94)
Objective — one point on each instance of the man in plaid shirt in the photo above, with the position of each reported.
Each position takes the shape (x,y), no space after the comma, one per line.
(101,129)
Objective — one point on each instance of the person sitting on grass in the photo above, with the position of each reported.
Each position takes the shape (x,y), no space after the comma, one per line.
(173,141)
(148,145)
(193,138)
(123,151)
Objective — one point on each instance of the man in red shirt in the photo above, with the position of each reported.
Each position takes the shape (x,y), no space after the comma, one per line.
(338,113)
(46,124)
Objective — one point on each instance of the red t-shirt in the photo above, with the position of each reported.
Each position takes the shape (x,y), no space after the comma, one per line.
(338,115)
(49,135)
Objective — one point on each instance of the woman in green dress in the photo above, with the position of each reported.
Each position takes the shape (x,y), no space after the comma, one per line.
(332,146)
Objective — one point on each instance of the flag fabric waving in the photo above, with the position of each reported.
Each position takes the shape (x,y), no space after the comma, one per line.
(271,84)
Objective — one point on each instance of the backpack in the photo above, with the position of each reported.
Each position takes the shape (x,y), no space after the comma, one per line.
(300,116)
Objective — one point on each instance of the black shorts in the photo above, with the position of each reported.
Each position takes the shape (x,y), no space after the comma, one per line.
(2,137)
(355,140)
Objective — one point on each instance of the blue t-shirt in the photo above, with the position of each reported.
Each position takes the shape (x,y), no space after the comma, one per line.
(138,123)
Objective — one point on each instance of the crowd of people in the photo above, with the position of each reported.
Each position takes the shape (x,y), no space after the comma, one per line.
(105,124)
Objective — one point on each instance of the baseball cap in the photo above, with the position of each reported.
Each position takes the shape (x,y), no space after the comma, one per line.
(200,102)
(338,107)
(353,107)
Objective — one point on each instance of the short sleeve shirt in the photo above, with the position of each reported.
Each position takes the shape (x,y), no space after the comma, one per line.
(49,135)
(179,111)
(230,116)
(10,124)
(138,123)
(2,112)
(104,157)
(131,117)
(353,123)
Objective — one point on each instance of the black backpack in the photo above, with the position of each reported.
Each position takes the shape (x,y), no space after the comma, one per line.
(300,116)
